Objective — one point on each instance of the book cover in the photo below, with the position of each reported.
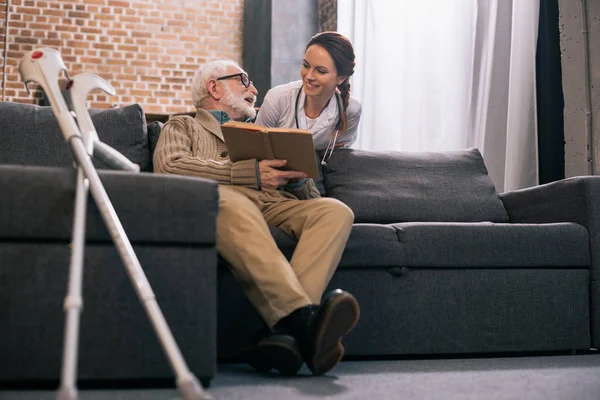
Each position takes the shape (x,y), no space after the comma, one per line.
(246,140)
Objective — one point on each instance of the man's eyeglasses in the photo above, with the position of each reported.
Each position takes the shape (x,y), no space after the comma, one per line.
(243,78)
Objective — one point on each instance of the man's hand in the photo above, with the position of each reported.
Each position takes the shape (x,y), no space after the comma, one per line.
(272,178)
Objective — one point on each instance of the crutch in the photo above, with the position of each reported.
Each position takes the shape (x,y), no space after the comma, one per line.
(79,87)
(43,66)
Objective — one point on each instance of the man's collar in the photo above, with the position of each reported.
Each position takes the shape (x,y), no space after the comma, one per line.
(222,116)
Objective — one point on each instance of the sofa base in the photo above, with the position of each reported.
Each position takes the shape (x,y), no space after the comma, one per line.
(95,384)
(442,311)
(117,341)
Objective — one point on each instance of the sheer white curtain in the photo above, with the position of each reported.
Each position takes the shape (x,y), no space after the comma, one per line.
(435,75)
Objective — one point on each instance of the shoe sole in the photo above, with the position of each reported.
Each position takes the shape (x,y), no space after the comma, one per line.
(338,320)
(280,355)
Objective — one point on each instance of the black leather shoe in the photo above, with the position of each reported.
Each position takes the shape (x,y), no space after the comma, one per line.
(277,351)
(338,314)
(320,329)
(299,324)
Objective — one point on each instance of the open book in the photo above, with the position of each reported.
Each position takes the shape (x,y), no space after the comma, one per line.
(245,140)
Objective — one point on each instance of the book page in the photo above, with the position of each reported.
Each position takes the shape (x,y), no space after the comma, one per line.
(246,125)
(291,130)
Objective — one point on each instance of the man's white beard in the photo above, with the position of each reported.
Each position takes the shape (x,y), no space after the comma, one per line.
(240,107)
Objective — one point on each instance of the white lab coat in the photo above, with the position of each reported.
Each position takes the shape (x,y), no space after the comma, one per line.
(277,110)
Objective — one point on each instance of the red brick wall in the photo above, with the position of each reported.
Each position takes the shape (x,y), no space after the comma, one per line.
(148,50)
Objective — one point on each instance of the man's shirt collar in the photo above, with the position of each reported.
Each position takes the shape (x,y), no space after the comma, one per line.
(220,116)
(223,117)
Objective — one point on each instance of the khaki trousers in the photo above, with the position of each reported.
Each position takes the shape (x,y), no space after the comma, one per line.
(273,285)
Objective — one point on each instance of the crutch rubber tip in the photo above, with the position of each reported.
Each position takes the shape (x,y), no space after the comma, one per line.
(190,389)
(67,394)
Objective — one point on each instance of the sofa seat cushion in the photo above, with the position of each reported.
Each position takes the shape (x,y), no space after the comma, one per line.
(37,203)
(30,135)
(432,244)
(390,187)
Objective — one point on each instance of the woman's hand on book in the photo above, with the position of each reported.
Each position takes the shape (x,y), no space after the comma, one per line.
(271,177)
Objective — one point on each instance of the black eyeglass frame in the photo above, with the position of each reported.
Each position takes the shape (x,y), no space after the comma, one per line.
(241,75)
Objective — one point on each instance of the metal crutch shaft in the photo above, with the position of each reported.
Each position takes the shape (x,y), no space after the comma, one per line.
(73,300)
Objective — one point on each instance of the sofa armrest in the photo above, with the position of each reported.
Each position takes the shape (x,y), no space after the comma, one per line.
(568,200)
(37,203)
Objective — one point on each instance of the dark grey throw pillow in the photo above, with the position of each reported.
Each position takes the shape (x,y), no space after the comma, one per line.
(389,187)
(30,135)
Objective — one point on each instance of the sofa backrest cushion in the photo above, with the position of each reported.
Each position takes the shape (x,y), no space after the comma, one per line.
(30,135)
(389,187)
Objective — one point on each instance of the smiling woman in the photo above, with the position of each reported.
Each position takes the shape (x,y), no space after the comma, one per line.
(321,101)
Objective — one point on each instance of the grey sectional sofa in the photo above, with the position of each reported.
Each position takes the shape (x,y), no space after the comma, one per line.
(439,261)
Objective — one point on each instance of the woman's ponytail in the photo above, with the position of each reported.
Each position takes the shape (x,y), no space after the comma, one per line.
(344,89)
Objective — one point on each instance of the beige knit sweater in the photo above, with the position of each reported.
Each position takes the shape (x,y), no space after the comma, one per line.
(195,147)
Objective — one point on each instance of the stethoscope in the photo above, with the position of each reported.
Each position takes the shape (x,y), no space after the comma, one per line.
(338,125)
(339,107)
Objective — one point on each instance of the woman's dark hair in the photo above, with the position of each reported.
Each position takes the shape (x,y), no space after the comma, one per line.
(341,50)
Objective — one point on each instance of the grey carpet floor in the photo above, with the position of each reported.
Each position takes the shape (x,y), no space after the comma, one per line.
(515,378)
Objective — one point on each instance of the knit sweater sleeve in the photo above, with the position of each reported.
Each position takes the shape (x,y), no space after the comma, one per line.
(185,148)
(305,192)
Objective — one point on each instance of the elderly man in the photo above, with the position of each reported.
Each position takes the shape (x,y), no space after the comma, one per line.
(253,195)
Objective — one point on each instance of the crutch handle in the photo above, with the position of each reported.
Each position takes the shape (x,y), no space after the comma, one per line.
(43,67)
(79,88)
(113,158)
